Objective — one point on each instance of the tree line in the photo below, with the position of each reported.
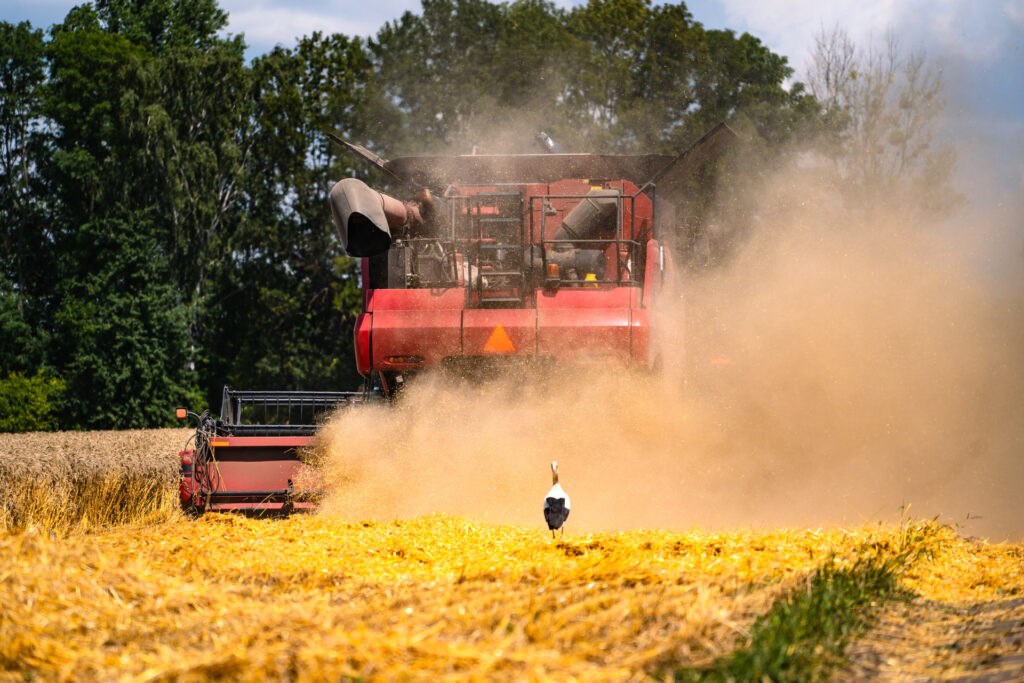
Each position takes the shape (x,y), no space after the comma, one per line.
(163,215)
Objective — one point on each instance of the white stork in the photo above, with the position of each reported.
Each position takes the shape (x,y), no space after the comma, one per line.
(556,504)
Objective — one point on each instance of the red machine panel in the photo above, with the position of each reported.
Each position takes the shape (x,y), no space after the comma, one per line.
(415,327)
(574,333)
(427,336)
(245,470)
(364,324)
(418,299)
(586,296)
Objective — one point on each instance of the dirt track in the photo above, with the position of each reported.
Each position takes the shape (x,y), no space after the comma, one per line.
(966,622)
(929,640)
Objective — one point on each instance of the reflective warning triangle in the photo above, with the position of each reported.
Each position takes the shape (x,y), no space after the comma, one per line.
(499,341)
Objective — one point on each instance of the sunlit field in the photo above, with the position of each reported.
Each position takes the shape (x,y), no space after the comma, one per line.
(161,596)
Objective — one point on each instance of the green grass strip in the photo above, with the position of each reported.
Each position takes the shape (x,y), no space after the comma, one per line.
(803,636)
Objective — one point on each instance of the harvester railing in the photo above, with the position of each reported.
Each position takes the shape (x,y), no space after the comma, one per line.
(278,413)
(497,246)
(628,238)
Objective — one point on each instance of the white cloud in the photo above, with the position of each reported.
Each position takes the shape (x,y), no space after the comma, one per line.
(976,31)
(788,27)
(268,23)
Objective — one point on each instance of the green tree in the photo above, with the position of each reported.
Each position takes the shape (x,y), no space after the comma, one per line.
(436,65)
(22,345)
(121,338)
(610,43)
(121,330)
(161,25)
(663,93)
(741,81)
(610,75)
(28,404)
(24,241)
(194,155)
(468,73)
(287,304)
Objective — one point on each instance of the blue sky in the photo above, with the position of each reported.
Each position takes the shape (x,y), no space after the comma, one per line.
(980,44)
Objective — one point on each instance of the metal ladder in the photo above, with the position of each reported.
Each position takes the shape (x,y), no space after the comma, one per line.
(498,240)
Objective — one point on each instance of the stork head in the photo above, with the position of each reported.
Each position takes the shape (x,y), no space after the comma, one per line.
(554,472)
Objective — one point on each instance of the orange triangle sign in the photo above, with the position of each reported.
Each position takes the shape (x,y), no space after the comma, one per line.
(499,341)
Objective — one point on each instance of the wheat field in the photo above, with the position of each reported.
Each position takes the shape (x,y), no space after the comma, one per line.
(79,480)
(146,594)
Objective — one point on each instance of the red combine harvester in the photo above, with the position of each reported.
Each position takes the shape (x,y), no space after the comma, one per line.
(500,260)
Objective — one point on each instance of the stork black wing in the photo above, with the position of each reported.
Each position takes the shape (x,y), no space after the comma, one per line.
(555,512)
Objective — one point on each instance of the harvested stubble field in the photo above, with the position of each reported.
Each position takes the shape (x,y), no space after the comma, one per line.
(446,597)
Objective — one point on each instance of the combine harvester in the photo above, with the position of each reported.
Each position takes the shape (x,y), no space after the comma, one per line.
(500,260)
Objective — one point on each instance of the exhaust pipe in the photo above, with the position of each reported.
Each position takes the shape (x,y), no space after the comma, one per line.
(364,217)
(592,215)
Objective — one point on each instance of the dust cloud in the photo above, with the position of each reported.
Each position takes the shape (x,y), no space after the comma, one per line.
(841,368)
